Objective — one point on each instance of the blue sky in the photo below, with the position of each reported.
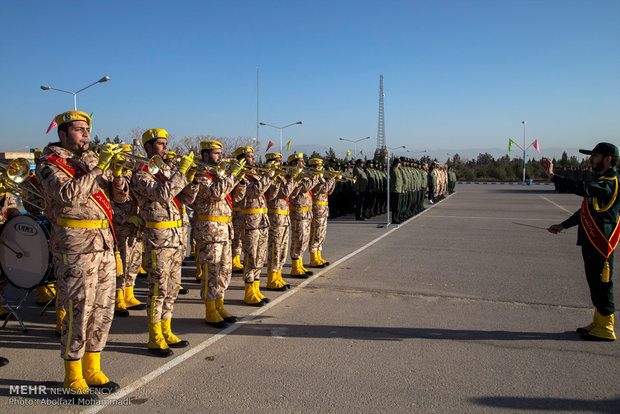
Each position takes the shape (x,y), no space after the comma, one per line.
(457,74)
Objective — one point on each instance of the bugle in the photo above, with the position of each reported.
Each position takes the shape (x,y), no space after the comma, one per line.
(154,163)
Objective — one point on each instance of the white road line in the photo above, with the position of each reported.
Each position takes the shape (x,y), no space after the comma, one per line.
(556,204)
(125,391)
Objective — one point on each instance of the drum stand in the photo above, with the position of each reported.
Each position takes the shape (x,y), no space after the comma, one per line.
(13,310)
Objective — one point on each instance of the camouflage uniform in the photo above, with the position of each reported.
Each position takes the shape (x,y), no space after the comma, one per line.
(213,231)
(320,212)
(255,225)
(301,216)
(129,240)
(279,221)
(84,257)
(165,235)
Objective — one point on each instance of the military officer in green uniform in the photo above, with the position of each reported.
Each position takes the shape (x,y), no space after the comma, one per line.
(598,233)
(360,187)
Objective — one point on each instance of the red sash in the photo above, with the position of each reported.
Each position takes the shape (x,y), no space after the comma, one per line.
(605,246)
(75,171)
(228,198)
(161,178)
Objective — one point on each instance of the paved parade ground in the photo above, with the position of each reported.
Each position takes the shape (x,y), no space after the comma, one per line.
(466,308)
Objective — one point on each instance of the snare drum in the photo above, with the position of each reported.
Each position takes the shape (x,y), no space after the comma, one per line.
(24,251)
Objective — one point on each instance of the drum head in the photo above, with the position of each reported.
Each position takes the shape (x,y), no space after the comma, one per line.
(24,253)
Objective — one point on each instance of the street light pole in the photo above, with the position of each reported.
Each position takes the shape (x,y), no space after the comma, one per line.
(281,128)
(47,88)
(354,143)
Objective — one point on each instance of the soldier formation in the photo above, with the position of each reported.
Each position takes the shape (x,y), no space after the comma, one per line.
(113,214)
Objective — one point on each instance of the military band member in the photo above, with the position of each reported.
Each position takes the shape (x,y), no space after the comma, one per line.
(301,217)
(255,227)
(279,224)
(128,226)
(213,230)
(320,211)
(78,185)
(8,209)
(598,233)
(161,198)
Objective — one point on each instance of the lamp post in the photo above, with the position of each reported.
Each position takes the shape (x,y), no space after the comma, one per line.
(47,88)
(523,122)
(389,212)
(281,128)
(354,141)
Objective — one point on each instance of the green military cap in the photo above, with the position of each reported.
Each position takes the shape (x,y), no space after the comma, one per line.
(604,148)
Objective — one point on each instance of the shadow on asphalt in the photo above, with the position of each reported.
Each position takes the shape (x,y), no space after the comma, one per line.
(397,334)
(524,190)
(551,404)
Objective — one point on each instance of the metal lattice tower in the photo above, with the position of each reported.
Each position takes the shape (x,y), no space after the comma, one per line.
(381,149)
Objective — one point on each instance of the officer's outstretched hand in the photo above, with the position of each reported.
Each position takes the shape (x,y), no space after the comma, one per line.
(186,162)
(555,229)
(117,163)
(237,167)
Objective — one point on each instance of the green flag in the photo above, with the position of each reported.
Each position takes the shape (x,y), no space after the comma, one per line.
(510,142)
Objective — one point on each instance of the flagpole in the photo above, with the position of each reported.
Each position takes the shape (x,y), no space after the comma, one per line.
(257,102)
(523,122)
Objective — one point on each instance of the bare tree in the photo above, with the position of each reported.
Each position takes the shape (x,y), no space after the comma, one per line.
(230,144)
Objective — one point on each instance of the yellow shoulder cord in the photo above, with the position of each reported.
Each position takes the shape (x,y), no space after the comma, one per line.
(613,199)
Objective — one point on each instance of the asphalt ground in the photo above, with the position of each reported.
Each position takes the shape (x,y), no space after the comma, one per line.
(465,308)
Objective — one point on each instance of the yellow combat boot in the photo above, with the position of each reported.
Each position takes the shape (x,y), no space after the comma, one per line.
(251,298)
(315,260)
(74,382)
(130,300)
(183,291)
(171,339)
(212,316)
(273,283)
(286,285)
(237,267)
(325,262)
(120,309)
(157,344)
(588,328)
(603,329)
(97,380)
(228,317)
(45,294)
(297,269)
(257,292)
(301,263)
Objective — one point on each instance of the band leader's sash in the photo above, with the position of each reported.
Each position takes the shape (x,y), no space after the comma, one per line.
(605,246)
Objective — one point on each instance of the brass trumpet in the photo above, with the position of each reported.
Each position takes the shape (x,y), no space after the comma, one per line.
(154,163)
(14,179)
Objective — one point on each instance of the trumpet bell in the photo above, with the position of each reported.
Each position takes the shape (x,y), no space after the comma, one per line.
(18,170)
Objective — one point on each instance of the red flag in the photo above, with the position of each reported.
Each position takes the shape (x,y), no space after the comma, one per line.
(535,145)
(271,144)
(52,125)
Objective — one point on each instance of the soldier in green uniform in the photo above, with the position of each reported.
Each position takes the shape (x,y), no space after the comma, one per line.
(396,190)
(598,233)
(360,187)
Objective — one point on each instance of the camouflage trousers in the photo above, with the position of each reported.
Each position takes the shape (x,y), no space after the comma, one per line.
(277,247)
(85,284)
(216,262)
(254,252)
(163,267)
(300,236)
(318,232)
(130,248)
(238,233)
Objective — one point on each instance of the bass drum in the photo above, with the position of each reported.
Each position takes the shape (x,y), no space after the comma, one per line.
(25,257)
